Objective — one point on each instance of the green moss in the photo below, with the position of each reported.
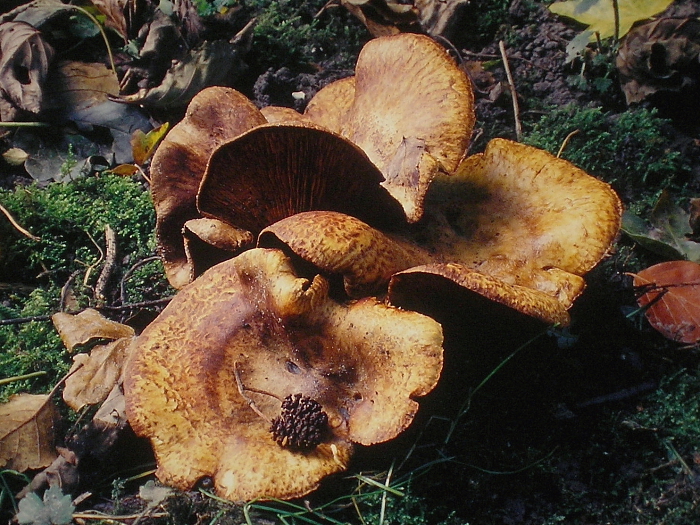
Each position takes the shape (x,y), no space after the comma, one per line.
(288,33)
(630,150)
(70,221)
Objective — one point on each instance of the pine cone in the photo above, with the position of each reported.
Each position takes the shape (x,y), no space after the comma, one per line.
(302,424)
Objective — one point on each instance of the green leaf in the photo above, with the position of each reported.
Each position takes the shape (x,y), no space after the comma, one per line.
(666,232)
(599,15)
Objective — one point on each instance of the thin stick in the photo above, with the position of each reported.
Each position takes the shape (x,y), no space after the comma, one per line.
(141,304)
(108,268)
(241,390)
(513,92)
(566,142)
(16,224)
(8,380)
(616,13)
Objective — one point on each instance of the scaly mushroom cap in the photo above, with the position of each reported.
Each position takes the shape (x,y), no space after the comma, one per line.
(277,170)
(340,244)
(250,331)
(412,113)
(213,116)
(514,224)
(521,215)
(330,106)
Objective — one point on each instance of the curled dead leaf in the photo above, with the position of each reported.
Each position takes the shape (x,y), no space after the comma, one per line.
(88,325)
(26,432)
(94,376)
(24,64)
(670,294)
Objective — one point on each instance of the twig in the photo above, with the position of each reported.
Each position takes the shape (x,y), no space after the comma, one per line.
(616,13)
(110,263)
(24,125)
(16,224)
(22,320)
(65,289)
(513,92)
(241,390)
(566,142)
(140,304)
(8,380)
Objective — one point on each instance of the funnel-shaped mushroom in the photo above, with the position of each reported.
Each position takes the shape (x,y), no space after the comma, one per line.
(217,381)
(514,224)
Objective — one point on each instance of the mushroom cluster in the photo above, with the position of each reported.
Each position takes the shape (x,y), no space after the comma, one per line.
(296,240)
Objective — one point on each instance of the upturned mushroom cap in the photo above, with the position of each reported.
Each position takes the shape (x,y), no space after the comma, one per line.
(252,322)
(330,106)
(412,113)
(213,116)
(277,170)
(519,214)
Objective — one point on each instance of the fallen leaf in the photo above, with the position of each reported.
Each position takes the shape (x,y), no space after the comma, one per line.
(210,64)
(143,145)
(95,375)
(666,232)
(117,13)
(670,291)
(15,156)
(26,432)
(599,15)
(154,494)
(24,64)
(659,56)
(125,170)
(80,329)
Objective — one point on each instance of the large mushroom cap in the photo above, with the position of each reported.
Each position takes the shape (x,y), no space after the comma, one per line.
(250,331)
(412,113)
(521,215)
(215,115)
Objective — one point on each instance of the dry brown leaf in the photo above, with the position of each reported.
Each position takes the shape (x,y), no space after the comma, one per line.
(96,374)
(659,56)
(670,291)
(80,329)
(24,64)
(26,432)
(117,14)
(77,86)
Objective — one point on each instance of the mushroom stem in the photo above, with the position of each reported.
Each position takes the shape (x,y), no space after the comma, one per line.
(242,389)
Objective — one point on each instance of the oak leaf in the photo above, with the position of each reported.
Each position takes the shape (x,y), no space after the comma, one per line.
(670,292)
(26,432)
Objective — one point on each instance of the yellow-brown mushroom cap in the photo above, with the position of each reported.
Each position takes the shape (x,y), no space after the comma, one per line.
(412,113)
(521,215)
(215,115)
(252,321)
